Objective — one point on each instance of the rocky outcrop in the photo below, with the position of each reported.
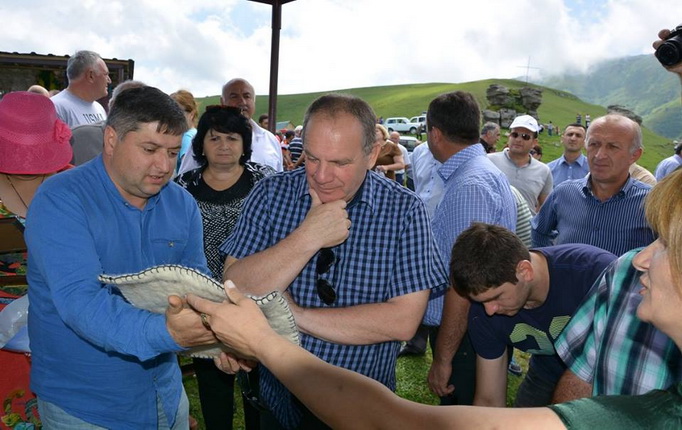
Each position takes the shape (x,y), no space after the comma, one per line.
(504,105)
(498,95)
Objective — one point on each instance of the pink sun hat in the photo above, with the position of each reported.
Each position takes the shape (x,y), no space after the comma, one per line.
(33,141)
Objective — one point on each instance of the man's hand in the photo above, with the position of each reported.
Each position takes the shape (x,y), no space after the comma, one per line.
(326,223)
(439,375)
(237,322)
(185,326)
(231,364)
(663,35)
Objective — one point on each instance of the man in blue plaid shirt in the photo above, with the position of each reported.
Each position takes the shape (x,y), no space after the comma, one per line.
(353,251)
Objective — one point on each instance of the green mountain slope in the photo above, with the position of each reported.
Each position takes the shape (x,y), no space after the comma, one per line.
(639,83)
(558,106)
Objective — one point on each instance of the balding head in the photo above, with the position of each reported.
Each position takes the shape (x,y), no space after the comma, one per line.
(613,143)
(37,89)
(239,93)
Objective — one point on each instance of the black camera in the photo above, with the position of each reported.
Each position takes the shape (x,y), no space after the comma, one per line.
(670,51)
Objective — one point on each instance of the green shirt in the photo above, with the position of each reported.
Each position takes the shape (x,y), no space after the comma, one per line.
(658,409)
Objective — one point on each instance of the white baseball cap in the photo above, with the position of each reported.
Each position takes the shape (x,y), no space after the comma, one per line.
(525,121)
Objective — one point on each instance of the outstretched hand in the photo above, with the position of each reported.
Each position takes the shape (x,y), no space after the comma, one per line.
(237,322)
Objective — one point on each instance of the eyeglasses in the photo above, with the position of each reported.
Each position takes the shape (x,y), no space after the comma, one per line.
(524,136)
(325,290)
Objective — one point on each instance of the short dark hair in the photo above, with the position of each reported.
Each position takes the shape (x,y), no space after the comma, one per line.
(223,119)
(289,134)
(485,256)
(575,124)
(144,105)
(262,117)
(457,116)
(334,104)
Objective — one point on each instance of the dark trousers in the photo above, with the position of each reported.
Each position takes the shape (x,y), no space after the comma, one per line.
(216,392)
(418,341)
(463,376)
(308,421)
(535,390)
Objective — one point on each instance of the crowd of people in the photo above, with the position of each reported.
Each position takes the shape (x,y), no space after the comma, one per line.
(378,252)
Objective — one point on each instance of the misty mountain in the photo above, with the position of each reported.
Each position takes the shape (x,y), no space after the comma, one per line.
(638,83)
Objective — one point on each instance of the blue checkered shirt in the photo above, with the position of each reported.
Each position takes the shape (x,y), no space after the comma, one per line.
(605,344)
(571,214)
(475,190)
(390,252)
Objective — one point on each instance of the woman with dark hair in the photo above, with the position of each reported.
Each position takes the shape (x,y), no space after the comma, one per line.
(221,183)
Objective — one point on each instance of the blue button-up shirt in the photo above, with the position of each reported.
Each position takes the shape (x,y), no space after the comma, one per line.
(562,170)
(93,354)
(475,191)
(427,184)
(572,214)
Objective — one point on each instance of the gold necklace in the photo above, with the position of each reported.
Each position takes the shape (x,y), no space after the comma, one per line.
(17,192)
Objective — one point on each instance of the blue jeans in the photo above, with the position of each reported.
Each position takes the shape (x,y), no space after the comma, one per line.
(55,418)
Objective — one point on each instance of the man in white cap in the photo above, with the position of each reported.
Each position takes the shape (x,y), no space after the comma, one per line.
(528,175)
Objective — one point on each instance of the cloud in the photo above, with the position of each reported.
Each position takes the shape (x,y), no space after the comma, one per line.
(336,44)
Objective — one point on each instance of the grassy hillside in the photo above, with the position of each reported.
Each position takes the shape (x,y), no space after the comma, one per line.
(560,107)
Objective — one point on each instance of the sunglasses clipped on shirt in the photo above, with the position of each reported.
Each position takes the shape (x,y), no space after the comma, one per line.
(524,136)
(325,289)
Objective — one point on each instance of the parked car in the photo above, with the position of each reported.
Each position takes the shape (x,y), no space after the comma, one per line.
(419,119)
(409,142)
(401,124)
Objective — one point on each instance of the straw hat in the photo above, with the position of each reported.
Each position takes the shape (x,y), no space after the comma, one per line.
(33,141)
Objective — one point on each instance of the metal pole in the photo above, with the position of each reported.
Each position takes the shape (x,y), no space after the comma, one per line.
(274,63)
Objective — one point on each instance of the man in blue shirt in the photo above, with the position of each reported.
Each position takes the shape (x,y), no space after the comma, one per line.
(353,251)
(572,164)
(521,299)
(474,190)
(604,209)
(97,360)
(670,164)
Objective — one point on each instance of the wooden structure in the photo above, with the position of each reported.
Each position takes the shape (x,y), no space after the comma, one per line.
(19,71)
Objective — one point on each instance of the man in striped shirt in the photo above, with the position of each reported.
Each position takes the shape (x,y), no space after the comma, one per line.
(607,349)
(604,209)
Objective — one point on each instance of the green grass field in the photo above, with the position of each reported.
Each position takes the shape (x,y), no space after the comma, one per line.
(411,377)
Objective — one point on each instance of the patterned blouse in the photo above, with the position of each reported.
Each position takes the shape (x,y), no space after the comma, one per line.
(220,209)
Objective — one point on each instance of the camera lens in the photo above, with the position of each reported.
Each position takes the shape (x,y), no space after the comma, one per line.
(670,52)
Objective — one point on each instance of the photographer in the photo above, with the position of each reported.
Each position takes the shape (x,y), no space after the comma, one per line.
(674,47)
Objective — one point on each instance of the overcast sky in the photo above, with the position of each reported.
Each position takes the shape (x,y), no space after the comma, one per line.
(336,44)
